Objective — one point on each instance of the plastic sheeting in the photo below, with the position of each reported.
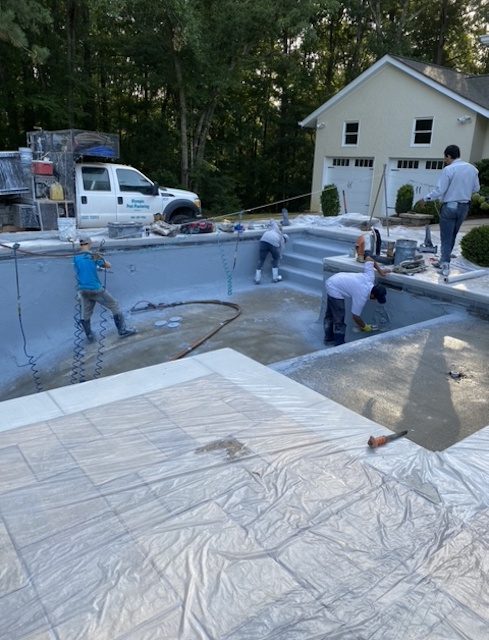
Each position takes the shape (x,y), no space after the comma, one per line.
(226,509)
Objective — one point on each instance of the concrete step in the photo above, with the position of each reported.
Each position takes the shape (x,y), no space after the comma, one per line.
(302,277)
(318,249)
(301,261)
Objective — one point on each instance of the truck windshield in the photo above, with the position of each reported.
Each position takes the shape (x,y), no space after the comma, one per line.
(133,181)
(95,179)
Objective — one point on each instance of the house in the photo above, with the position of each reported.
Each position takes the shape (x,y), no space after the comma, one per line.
(395,120)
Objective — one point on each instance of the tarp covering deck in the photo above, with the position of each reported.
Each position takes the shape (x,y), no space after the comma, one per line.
(222,500)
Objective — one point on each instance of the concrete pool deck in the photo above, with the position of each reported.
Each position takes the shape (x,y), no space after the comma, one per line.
(215,497)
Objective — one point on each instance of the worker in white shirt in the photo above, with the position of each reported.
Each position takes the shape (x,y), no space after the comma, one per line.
(459,180)
(360,287)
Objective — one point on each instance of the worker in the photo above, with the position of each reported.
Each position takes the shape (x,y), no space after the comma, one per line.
(91,290)
(271,242)
(459,180)
(364,241)
(359,287)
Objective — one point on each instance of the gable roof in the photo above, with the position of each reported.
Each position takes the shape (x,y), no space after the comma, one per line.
(469,90)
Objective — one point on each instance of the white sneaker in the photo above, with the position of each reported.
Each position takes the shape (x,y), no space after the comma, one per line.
(445,269)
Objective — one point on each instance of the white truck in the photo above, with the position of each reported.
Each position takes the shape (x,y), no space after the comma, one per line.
(73,173)
(106,192)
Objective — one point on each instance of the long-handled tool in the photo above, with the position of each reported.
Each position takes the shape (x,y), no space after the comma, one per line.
(378,441)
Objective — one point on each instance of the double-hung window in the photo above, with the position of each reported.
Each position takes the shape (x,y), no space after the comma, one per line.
(350,134)
(422,132)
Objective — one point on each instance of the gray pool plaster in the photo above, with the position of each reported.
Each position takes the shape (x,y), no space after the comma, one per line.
(123,514)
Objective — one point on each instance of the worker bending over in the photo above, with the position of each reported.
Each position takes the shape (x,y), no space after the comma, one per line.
(360,287)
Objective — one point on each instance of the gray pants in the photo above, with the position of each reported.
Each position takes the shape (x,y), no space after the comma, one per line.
(89,298)
(334,321)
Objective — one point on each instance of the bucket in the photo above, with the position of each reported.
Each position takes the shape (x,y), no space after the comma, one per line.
(405,250)
(67,229)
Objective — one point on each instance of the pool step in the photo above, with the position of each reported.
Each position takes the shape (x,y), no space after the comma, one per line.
(317,249)
(302,260)
(302,277)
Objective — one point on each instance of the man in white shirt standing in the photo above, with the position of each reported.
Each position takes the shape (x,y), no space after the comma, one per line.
(459,180)
(360,287)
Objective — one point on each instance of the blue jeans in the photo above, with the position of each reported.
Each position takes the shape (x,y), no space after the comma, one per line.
(334,321)
(452,214)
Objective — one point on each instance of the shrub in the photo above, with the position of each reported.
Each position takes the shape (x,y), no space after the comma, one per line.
(479,203)
(404,200)
(483,167)
(330,201)
(431,208)
(475,246)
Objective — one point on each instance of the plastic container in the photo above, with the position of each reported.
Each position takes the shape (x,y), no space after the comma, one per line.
(405,250)
(42,168)
(67,229)
(56,192)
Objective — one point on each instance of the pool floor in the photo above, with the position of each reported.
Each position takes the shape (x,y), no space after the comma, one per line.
(399,379)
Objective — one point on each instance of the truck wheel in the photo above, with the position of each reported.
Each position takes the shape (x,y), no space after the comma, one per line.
(181,216)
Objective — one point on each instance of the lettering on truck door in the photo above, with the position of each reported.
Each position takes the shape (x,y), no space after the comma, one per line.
(95,198)
(136,201)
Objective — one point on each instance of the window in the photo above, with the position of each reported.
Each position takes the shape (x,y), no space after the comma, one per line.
(130,180)
(423,129)
(350,133)
(364,162)
(95,179)
(408,164)
(434,164)
(341,162)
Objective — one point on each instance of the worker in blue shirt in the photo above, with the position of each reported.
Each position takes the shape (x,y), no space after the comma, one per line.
(459,180)
(91,290)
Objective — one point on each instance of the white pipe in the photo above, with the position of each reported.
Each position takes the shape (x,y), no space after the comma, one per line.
(467,276)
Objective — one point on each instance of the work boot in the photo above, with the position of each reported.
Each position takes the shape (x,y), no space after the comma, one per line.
(258,276)
(275,276)
(120,323)
(339,339)
(88,330)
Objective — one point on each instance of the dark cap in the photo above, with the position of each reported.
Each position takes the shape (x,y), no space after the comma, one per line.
(379,292)
(85,240)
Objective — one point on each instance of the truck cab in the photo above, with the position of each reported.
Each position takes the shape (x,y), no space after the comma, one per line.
(107,192)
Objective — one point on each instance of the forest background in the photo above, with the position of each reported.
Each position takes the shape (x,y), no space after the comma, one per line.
(207,94)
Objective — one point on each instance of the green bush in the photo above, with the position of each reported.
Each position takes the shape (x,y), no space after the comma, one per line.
(330,201)
(404,200)
(431,208)
(483,167)
(475,246)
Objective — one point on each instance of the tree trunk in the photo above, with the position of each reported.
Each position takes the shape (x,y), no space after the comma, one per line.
(182,98)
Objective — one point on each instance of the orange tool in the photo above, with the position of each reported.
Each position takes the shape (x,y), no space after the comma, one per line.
(374,442)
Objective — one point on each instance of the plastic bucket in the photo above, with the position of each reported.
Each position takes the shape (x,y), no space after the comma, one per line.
(67,229)
(405,250)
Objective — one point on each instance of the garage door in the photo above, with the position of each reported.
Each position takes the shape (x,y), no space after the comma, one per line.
(353,179)
(421,174)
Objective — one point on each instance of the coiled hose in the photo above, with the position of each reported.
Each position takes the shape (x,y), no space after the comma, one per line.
(99,360)
(31,360)
(78,360)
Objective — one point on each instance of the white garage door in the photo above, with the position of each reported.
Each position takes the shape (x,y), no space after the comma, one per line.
(421,174)
(353,179)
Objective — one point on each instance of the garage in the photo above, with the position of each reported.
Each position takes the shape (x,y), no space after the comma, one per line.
(353,179)
(421,174)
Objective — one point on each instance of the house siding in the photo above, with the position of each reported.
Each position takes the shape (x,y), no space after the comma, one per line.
(386,105)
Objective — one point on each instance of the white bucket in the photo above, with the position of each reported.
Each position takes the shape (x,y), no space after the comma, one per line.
(67,229)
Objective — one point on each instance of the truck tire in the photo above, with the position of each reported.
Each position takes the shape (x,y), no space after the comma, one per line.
(182,215)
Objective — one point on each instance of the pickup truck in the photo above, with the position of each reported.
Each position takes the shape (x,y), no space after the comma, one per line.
(106,192)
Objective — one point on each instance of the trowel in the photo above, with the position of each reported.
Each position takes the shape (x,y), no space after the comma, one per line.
(427,246)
